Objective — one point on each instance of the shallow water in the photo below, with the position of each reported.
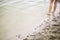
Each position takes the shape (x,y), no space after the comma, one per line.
(20,17)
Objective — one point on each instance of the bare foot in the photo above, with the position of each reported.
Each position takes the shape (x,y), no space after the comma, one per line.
(48,14)
(53,14)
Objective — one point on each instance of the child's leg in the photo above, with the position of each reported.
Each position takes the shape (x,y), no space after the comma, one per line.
(55,6)
(50,7)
